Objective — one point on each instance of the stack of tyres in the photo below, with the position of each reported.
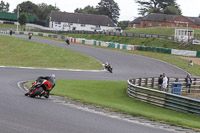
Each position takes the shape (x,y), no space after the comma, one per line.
(124,47)
(198,53)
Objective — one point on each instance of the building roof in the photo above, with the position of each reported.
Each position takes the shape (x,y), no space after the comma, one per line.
(158,17)
(195,20)
(80,18)
(137,20)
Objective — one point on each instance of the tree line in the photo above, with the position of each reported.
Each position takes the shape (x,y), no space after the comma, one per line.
(105,7)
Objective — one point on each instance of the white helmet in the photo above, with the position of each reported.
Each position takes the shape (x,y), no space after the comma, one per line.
(53,76)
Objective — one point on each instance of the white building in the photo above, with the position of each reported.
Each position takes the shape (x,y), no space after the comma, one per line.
(81,22)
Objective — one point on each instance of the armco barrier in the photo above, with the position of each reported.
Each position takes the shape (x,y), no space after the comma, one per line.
(163,99)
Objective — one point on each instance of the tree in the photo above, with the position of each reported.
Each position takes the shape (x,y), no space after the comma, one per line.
(87,10)
(172,10)
(156,6)
(23,19)
(109,8)
(123,24)
(28,8)
(4,7)
(45,11)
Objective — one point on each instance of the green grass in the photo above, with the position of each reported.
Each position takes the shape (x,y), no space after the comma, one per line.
(19,52)
(168,31)
(112,94)
(10,26)
(155,42)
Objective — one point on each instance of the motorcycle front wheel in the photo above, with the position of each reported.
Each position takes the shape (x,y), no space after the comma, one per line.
(36,92)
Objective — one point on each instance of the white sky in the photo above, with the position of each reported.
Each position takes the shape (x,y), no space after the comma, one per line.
(128,8)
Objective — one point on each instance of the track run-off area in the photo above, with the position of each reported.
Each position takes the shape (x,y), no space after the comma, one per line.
(20,114)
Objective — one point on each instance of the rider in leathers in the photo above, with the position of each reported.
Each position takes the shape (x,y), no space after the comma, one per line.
(46,87)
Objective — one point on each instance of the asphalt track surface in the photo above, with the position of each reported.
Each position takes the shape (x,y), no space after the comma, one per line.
(20,114)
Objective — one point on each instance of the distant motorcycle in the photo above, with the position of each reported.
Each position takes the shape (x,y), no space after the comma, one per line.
(108,67)
(67,41)
(30,35)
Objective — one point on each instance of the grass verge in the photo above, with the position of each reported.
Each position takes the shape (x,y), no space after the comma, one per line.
(11,26)
(19,52)
(112,94)
(168,31)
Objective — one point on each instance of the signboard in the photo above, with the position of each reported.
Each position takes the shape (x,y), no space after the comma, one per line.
(183,35)
(197,42)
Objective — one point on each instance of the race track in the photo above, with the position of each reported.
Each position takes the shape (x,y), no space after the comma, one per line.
(20,114)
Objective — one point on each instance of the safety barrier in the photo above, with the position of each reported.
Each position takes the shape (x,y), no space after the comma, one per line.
(117,45)
(163,99)
(153,82)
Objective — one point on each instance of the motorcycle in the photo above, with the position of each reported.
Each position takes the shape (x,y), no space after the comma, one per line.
(67,41)
(30,35)
(37,89)
(108,67)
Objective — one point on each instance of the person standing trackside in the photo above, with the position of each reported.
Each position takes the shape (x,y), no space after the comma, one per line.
(164,84)
(188,82)
(10,32)
(160,82)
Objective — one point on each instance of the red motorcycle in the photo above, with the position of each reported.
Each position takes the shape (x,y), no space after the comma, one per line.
(108,67)
(37,89)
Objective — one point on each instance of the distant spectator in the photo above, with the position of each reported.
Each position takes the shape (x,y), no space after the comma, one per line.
(188,82)
(164,84)
(10,32)
(160,82)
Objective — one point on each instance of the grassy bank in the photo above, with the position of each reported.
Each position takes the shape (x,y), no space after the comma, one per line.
(154,42)
(168,31)
(19,52)
(112,94)
(10,26)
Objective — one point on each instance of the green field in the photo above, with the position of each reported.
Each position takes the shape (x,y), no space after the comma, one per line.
(10,26)
(19,52)
(112,94)
(168,31)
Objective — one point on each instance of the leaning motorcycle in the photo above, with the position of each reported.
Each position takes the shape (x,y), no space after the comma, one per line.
(37,89)
(109,68)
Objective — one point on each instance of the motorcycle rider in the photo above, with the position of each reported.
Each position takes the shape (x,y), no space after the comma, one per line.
(107,65)
(67,41)
(48,83)
(30,35)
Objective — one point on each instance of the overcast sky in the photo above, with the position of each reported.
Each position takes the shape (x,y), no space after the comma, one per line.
(128,8)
